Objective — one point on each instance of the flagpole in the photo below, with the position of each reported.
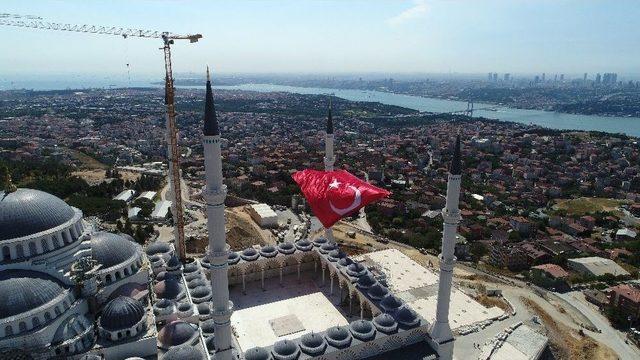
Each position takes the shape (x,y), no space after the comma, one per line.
(329,158)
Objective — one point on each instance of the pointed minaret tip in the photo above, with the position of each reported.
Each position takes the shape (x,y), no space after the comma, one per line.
(456,163)
(330,118)
(210,119)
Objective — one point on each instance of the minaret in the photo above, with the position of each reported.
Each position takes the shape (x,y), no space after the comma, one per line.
(214,193)
(441,330)
(329,158)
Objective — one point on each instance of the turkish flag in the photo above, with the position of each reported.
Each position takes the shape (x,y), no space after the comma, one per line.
(333,195)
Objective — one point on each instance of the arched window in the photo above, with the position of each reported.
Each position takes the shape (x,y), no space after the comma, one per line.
(57,311)
(118,275)
(65,237)
(108,278)
(6,253)
(36,322)
(45,245)
(22,326)
(58,241)
(47,316)
(8,330)
(32,248)
(20,251)
(65,303)
(127,272)
(128,332)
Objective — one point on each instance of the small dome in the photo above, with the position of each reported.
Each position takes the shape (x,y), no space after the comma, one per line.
(363,330)
(366,281)
(390,303)
(200,294)
(257,353)
(208,326)
(121,313)
(163,307)
(338,336)
(174,262)
(26,212)
(210,342)
(336,255)
(184,307)
(168,289)
(204,262)
(158,247)
(356,269)
(377,292)
(71,327)
(204,308)
(268,251)
(286,248)
(385,323)
(190,267)
(25,290)
(345,261)
(320,241)
(249,254)
(304,245)
(185,352)
(285,350)
(197,283)
(111,249)
(233,258)
(407,317)
(177,333)
(328,247)
(193,276)
(312,344)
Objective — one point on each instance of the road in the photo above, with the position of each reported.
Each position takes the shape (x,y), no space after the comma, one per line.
(609,336)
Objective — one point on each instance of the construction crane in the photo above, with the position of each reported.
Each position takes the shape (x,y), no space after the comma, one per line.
(177,208)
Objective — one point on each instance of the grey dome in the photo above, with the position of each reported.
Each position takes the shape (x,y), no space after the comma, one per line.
(110,249)
(26,211)
(377,292)
(257,353)
(71,327)
(319,241)
(336,255)
(385,323)
(338,336)
(327,247)
(285,350)
(304,245)
(184,307)
(176,333)
(345,261)
(407,317)
(356,269)
(210,342)
(233,258)
(168,289)
(25,290)
(197,282)
(366,281)
(200,292)
(208,326)
(204,308)
(268,251)
(174,262)
(390,303)
(190,267)
(121,313)
(363,330)
(158,247)
(193,276)
(286,248)
(249,254)
(312,344)
(185,352)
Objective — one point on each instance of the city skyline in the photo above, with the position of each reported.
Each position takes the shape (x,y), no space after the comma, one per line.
(329,37)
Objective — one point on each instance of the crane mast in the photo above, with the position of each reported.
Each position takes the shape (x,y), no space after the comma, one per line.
(177,208)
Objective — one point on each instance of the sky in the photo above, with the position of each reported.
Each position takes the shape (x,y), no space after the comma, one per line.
(331,37)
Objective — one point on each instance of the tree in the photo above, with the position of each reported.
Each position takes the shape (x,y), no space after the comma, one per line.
(478,250)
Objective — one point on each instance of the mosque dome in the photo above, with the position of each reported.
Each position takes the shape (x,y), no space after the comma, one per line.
(286,248)
(356,270)
(158,247)
(25,290)
(197,282)
(363,330)
(26,212)
(210,342)
(177,333)
(190,267)
(345,261)
(366,281)
(249,254)
(407,317)
(168,289)
(377,291)
(304,245)
(338,336)
(336,255)
(111,249)
(390,303)
(233,258)
(204,308)
(319,241)
(121,313)
(385,323)
(328,247)
(268,251)
(185,352)
(312,344)
(285,350)
(257,353)
(208,326)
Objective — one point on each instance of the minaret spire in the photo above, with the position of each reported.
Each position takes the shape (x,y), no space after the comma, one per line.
(214,194)
(441,330)
(330,119)
(210,119)
(329,158)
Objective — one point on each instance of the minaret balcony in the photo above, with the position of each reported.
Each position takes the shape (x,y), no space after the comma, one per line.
(215,196)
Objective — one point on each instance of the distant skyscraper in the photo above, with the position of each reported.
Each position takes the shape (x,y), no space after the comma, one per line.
(507,77)
(490,77)
(584,78)
(561,77)
(598,79)
(495,77)
(544,77)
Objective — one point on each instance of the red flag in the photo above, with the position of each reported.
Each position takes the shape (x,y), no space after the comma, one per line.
(333,195)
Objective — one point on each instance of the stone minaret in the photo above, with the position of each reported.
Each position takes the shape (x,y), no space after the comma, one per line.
(441,330)
(215,192)
(329,158)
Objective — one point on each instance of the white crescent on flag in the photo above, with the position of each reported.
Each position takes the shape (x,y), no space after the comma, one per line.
(357,200)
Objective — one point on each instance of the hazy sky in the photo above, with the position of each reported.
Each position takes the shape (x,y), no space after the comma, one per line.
(340,36)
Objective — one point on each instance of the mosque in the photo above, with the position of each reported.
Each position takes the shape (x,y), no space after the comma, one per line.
(68,291)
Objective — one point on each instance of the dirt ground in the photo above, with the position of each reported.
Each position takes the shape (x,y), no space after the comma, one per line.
(566,343)
(241,234)
(96,176)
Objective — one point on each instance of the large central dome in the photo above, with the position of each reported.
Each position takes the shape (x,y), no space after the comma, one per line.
(27,211)
(24,290)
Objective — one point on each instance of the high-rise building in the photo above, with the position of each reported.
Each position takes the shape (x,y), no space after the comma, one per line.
(584,78)
(507,77)
(598,79)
